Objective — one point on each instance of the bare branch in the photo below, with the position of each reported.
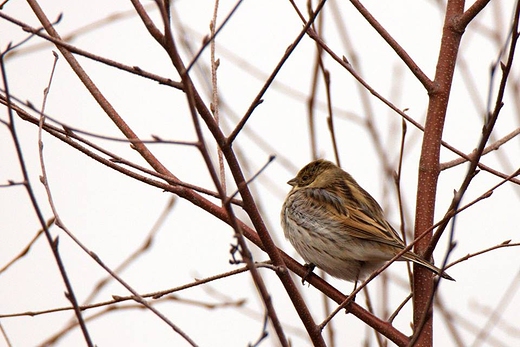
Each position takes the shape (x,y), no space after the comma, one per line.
(414,68)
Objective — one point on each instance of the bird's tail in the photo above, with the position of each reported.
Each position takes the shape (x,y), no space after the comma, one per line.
(418,260)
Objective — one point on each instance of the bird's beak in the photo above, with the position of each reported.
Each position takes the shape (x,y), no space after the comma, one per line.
(292,182)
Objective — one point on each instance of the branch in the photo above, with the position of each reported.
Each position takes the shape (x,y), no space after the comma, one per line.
(488,126)
(429,170)
(96,93)
(53,243)
(468,256)
(414,68)
(61,225)
(121,298)
(492,147)
(73,49)
(471,13)
(27,248)
(258,99)
(217,211)
(191,93)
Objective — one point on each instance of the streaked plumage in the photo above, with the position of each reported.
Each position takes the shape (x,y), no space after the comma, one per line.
(336,225)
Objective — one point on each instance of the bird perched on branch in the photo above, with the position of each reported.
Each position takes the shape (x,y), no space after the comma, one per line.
(337,226)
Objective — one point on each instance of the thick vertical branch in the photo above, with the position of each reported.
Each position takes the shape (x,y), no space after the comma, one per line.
(429,167)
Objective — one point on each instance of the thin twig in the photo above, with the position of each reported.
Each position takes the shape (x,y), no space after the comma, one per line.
(2,330)
(171,49)
(258,99)
(53,243)
(345,64)
(214,32)
(215,106)
(66,136)
(504,244)
(145,245)
(120,298)
(495,316)
(73,49)
(401,52)
(492,147)
(70,295)
(27,248)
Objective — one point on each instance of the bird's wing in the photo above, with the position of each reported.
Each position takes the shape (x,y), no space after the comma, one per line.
(359,220)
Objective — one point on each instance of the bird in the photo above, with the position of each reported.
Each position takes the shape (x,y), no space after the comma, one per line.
(334,224)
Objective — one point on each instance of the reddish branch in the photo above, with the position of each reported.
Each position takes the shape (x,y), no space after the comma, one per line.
(429,168)
(438,89)
(381,326)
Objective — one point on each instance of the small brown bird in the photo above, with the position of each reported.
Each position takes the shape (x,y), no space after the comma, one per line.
(337,226)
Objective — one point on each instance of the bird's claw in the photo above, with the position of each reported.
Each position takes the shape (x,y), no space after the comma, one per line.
(310,267)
